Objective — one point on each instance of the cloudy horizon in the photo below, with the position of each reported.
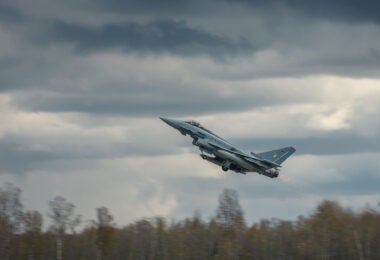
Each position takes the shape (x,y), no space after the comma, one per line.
(82,84)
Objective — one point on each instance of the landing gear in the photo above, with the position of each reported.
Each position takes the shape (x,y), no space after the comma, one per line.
(226,165)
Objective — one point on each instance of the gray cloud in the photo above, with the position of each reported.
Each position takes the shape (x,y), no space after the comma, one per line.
(17,158)
(346,10)
(288,46)
(363,183)
(22,155)
(9,14)
(128,98)
(328,145)
(355,179)
(149,6)
(165,36)
(121,63)
(254,186)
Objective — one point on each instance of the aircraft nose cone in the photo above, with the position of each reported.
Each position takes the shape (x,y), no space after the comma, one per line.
(170,122)
(164,119)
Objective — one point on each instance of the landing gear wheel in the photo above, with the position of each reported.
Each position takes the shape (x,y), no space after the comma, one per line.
(225,168)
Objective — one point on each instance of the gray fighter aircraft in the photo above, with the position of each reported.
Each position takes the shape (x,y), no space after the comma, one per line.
(227,155)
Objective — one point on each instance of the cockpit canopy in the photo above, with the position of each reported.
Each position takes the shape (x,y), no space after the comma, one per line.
(197,124)
(194,123)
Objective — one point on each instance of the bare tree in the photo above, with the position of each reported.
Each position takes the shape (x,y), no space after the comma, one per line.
(11,208)
(33,228)
(231,217)
(105,233)
(229,212)
(11,215)
(63,218)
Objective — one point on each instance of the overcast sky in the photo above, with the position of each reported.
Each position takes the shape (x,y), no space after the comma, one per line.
(82,84)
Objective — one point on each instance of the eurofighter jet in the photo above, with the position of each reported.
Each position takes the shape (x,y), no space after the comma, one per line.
(224,154)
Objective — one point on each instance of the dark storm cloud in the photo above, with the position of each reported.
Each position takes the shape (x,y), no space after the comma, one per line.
(163,36)
(20,155)
(130,106)
(329,145)
(17,158)
(346,10)
(9,14)
(116,64)
(169,100)
(165,6)
(38,51)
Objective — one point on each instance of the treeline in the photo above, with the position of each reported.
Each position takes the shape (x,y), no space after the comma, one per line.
(330,232)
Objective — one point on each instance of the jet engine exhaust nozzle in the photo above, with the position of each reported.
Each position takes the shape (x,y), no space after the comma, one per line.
(272,173)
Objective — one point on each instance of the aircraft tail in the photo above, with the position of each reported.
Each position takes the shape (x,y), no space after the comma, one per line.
(277,156)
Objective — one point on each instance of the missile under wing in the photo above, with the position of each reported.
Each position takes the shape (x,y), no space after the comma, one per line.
(218,151)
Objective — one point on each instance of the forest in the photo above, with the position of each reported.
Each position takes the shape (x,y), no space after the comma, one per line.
(329,232)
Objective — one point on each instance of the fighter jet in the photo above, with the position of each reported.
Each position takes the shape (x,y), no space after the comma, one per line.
(224,154)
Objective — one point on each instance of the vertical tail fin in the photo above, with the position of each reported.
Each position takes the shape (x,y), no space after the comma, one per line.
(277,156)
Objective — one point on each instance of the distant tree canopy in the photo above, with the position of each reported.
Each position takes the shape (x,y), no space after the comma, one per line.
(229,212)
(330,232)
